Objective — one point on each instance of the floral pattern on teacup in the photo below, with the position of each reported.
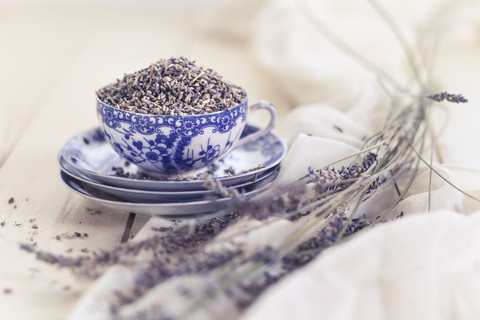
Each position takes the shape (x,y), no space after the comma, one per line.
(171,144)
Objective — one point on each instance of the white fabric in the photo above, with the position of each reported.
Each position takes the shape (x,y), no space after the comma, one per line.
(321,152)
(325,121)
(310,70)
(468,180)
(425,266)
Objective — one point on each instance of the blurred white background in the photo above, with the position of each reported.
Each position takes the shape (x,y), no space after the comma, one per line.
(67,49)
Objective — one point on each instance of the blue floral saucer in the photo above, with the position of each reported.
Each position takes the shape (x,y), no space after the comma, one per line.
(89,153)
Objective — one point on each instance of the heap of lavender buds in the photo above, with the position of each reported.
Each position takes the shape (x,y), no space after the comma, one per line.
(175,86)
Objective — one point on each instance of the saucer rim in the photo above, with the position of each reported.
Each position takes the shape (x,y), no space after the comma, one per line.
(161,209)
(169,185)
(152,195)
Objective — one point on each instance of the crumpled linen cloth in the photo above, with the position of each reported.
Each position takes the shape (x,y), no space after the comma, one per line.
(424,266)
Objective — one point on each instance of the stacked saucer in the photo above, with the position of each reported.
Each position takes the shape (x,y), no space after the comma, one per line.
(91,168)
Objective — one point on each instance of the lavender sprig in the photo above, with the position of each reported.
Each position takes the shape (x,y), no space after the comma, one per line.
(455,98)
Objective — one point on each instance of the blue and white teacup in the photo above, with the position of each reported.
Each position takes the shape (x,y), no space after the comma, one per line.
(162,145)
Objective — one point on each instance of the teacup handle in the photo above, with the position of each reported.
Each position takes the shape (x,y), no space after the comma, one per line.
(273,121)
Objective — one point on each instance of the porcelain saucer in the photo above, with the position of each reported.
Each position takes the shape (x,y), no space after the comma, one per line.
(137,195)
(89,153)
(160,208)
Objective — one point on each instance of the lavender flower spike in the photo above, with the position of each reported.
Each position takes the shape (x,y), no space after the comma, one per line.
(455,98)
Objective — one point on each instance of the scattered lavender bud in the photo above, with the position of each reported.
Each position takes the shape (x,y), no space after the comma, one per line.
(28,247)
(160,229)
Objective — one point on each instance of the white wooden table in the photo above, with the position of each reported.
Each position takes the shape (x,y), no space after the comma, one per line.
(52,59)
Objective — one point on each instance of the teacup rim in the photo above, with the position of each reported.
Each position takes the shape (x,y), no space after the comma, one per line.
(244,102)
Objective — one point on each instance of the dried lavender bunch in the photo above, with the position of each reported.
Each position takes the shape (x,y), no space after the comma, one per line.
(181,238)
(175,86)
(231,276)
(279,264)
(310,193)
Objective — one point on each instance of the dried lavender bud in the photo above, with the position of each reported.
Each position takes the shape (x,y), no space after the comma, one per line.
(254,289)
(28,247)
(175,86)
(455,98)
(267,255)
(219,189)
(229,171)
(290,199)
(161,229)
(355,225)
(74,235)
(11,200)
(310,248)
(331,179)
